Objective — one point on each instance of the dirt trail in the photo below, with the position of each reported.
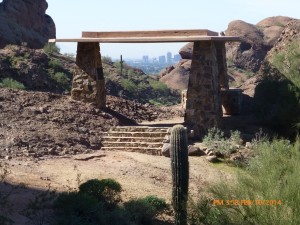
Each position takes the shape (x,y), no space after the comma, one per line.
(139,174)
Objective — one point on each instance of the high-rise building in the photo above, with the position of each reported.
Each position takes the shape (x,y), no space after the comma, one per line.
(146,59)
(169,57)
(177,58)
(162,59)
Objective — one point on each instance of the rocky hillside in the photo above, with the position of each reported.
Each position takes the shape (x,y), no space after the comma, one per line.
(25,21)
(39,124)
(134,84)
(244,58)
(36,69)
(277,94)
(41,70)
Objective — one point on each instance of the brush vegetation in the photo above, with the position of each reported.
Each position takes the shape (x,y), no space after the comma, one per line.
(265,192)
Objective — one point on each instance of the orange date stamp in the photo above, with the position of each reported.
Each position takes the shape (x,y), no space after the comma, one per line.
(245,202)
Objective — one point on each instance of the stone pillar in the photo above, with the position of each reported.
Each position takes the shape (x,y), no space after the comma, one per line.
(203,96)
(222,64)
(88,81)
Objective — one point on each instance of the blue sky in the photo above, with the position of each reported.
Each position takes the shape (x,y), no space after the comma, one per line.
(72,17)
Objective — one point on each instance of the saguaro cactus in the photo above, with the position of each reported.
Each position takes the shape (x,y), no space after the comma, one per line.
(180,173)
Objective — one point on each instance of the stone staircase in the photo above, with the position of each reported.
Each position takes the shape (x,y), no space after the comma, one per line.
(143,139)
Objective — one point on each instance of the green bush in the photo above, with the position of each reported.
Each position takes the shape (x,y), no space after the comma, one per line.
(11,83)
(216,140)
(128,85)
(158,204)
(272,175)
(143,210)
(76,209)
(62,79)
(51,48)
(106,59)
(159,87)
(55,64)
(106,190)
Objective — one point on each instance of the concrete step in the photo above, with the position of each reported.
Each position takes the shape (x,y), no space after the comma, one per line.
(133,144)
(140,129)
(132,139)
(143,139)
(149,151)
(135,134)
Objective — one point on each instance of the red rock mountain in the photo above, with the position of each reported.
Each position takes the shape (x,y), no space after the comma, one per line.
(257,40)
(25,21)
(249,54)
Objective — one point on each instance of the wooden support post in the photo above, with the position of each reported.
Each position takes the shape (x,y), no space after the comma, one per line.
(88,81)
(203,95)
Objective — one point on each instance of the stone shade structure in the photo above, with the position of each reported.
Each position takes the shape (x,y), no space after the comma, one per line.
(208,70)
(88,81)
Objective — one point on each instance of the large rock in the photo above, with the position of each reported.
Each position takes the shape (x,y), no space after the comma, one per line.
(257,40)
(178,77)
(186,51)
(25,21)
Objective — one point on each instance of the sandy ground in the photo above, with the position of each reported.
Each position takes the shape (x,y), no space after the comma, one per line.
(139,174)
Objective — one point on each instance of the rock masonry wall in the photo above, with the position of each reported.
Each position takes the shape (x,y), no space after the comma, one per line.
(88,81)
(203,109)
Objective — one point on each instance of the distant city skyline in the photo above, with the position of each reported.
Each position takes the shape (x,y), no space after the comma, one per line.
(147,58)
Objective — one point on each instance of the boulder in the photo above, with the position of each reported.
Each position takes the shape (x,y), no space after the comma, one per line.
(257,40)
(178,78)
(195,151)
(165,151)
(186,51)
(25,21)
(212,159)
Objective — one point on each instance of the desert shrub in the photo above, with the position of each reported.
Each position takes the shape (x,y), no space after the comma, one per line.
(106,59)
(159,87)
(62,79)
(272,175)
(76,209)
(106,190)
(51,48)
(128,85)
(90,206)
(202,212)
(11,83)
(216,140)
(158,204)
(55,64)
(143,210)
(288,62)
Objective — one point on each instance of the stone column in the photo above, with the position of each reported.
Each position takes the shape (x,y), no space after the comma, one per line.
(222,64)
(88,81)
(203,96)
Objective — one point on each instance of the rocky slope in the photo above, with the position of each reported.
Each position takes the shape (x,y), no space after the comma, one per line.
(277,93)
(38,70)
(38,124)
(25,21)
(35,69)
